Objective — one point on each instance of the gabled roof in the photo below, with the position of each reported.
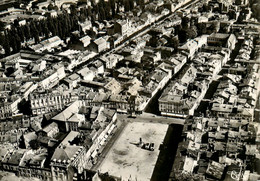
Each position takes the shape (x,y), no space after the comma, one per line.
(85,71)
(222,107)
(233,78)
(113,86)
(219,35)
(189,45)
(76,118)
(101,117)
(68,112)
(50,127)
(100,41)
(85,39)
(109,113)
(94,112)
(170,98)
(70,137)
(65,152)
(247,112)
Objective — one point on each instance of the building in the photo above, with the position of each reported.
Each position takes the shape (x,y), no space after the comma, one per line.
(221,39)
(215,169)
(172,101)
(81,44)
(189,48)
(85,26)
(98,45)
(113,86)
(53,76)
(111,60)
(121,27)
(49,102)
(8,109)
(66,158)
(97,67)
(12,160)
(71,81)
(86,74)
(119,102)
(14,123)
(59,3)
(178,60)
(51,130)
(85,41)
(48,44)
(32,165)
(69,119)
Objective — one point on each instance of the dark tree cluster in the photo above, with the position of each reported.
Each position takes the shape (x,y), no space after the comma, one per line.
(61,26)
(34,144)
(255,6)
(204,8)
(187,29)
(190,28)
(106,10)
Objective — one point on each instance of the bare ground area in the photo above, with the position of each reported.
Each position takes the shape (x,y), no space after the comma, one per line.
(125,159)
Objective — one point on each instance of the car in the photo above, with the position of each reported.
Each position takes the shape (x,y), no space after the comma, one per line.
(151,146)
(148,146)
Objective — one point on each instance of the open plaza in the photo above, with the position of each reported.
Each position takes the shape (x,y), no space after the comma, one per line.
(126,159)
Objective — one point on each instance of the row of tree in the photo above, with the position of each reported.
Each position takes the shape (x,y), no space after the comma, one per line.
(106,10)
(255,6)
(62,25)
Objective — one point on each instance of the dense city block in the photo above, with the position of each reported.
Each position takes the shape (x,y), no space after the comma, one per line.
(126,90)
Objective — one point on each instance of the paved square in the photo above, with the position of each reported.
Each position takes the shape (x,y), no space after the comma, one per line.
(125,159)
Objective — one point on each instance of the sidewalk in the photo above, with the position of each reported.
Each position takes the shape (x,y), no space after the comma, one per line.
(151,118)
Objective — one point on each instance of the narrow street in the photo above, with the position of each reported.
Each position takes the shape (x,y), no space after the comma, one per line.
(151,118)
(205,103)
(257,108)
(153,105)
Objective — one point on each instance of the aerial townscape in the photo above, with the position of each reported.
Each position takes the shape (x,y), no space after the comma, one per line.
(129,90)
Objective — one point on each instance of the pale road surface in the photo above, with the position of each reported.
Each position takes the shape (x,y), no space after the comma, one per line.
(257,108)
(152,118)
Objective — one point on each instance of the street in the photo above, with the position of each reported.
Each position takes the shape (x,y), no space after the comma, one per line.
(151,118)
(120,127)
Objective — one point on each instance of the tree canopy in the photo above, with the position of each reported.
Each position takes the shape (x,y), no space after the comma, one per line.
(34,144)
